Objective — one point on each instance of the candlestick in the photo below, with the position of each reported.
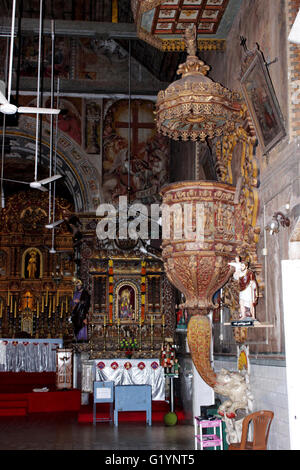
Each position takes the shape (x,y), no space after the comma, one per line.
(104,335)
(140,334)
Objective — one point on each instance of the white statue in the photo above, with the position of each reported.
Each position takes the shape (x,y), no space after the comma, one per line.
(235,386)
(248,288)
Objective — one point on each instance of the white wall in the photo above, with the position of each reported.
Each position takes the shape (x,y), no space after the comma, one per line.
(268,385)
(290,281)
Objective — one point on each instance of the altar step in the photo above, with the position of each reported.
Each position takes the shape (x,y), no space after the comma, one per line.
(159,410)
(21,404)
(13,407)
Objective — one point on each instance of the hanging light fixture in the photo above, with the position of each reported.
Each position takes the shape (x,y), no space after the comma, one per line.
(195,107)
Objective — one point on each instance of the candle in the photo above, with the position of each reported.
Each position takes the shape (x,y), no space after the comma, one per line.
(1,308)
(104,320)
(61,310)
(38,310)
(43,302)
(163,319)
(57,297)
(47,297)
(49,315)
(151,320)
(140,320)
(15,315)
(118,321)
(67,304)
(11,303)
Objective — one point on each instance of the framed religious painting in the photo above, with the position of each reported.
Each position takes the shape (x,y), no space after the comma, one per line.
(262,103)
(127,302)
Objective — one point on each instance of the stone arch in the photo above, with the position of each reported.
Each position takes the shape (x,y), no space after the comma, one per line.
(81,178)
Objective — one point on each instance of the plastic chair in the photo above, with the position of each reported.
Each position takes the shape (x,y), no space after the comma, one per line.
(261,426)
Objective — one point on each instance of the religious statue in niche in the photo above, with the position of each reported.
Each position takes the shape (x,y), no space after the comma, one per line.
(248,288)
(32,267)
(126,302)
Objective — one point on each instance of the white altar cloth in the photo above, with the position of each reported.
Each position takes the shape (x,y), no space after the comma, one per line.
(133,372)
(29,355)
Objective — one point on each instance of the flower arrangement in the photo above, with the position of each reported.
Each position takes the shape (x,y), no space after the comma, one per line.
(129,344)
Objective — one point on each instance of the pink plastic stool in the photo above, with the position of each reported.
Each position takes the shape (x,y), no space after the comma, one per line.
(208,440)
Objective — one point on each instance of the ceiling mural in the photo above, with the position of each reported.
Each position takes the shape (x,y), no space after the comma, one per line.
(162,22)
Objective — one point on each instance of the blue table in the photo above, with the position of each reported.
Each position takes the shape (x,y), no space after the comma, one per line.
(133,398)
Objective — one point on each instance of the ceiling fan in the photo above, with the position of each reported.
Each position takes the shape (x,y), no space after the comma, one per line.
(6,107)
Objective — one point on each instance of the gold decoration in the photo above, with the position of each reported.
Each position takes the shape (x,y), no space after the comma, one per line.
(195,107)
(242,142)
(199,267)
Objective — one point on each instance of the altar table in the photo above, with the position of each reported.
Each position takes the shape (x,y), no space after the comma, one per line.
(29,355)
(132,372)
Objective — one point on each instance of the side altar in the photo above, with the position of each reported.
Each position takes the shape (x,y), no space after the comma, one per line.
(36,268)
(132,308)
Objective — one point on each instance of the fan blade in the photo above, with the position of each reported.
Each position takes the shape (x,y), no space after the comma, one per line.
(38,184)
(54,224)
(29,110)
(7,108)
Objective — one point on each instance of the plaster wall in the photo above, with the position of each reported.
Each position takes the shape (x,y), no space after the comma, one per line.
(268,385)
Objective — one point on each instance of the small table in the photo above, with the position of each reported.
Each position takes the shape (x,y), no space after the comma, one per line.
(133,398)
(208,440)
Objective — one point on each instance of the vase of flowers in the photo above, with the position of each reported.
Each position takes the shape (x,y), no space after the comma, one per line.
(128,345)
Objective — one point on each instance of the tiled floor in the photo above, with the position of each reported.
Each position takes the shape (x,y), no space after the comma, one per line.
(62,432)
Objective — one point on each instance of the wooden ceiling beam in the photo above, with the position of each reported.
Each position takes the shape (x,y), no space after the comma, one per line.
(73,28)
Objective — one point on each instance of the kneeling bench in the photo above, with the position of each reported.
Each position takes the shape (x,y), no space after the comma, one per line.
(133,398)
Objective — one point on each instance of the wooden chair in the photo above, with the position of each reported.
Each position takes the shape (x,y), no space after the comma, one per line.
(261,426)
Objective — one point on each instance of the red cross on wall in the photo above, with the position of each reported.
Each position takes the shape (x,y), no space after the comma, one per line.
(141,120)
